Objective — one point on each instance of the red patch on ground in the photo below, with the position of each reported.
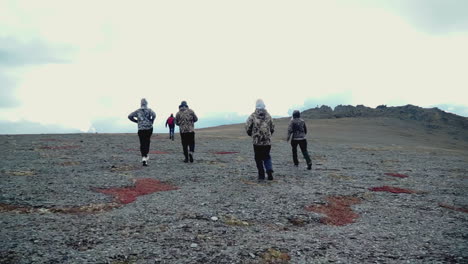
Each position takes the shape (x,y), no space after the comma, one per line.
(396,175)
(460,209)
(226,152)
(391,189)
(59,147)
(143,186)
(338,210)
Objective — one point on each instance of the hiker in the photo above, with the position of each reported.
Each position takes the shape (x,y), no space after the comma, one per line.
(145,117)
(185,119)
(170,122)
(260,127)
(297,131)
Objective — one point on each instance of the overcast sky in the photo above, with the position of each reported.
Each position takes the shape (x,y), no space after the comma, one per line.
(72,65)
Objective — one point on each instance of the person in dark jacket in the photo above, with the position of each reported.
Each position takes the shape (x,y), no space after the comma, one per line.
(260,127)
(144,117)
(186,119)
(171,122)
(297,131)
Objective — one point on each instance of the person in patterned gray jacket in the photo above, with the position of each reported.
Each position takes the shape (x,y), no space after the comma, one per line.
(297,131)
(145,117)
(185,119)
(260,127)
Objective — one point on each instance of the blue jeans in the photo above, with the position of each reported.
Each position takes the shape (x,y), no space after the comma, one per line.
(171,132)
(263,159)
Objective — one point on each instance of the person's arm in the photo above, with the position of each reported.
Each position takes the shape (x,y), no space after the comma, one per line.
(305,128)
(195,118)
(290,131)
(272,126)
(133,116)
(249,126)
(153,116)
(177,119)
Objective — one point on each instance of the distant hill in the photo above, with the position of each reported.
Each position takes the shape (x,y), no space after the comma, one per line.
(431,117)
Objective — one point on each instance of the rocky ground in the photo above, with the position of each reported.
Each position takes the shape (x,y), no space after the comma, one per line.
(390,197)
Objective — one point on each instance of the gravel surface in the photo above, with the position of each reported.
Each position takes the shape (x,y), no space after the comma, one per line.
(51,209)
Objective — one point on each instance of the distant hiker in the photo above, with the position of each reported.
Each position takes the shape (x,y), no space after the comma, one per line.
(185,119)
(145,117)
(297,131)
(260,127)
(171,122)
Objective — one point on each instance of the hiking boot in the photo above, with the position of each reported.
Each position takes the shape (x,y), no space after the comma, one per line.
(191,157)
(309,166)
(261,176)
(270,175)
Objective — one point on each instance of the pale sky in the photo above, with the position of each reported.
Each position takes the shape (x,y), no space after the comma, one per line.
(72,65)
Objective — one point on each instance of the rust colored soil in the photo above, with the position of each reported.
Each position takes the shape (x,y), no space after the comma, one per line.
(460,209)
(226,152)
(397,175)
(391,189)
(143,186)
(338,210)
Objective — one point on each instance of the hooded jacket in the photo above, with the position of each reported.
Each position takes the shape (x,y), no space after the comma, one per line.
(297,129)
(144,116)
(185,119)
(260,127)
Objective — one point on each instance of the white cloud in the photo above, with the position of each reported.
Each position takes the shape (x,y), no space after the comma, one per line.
(222,56)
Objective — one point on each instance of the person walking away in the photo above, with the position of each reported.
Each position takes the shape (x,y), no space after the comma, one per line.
(185,119)
(260,127)
(297,131)
(171,122)
(144,117)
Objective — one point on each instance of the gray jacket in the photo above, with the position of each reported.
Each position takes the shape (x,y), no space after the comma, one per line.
(144,116)
(297,129)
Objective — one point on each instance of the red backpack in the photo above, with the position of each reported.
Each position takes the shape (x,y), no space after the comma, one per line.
(170,121)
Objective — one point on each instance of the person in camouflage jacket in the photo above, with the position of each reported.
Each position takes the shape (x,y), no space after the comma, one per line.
(186,119)
(297,131)
(260,127)
(144,117)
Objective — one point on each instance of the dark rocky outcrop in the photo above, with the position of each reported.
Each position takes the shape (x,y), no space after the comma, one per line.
(432,117)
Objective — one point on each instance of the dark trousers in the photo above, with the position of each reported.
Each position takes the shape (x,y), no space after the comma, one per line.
(263,160)
(145,140)
(303,145)
(188,142)
(171,132)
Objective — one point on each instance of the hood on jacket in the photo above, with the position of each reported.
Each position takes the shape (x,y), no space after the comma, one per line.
(261,113)
(259,104)
(183,104)
(144,103)
(296,114)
